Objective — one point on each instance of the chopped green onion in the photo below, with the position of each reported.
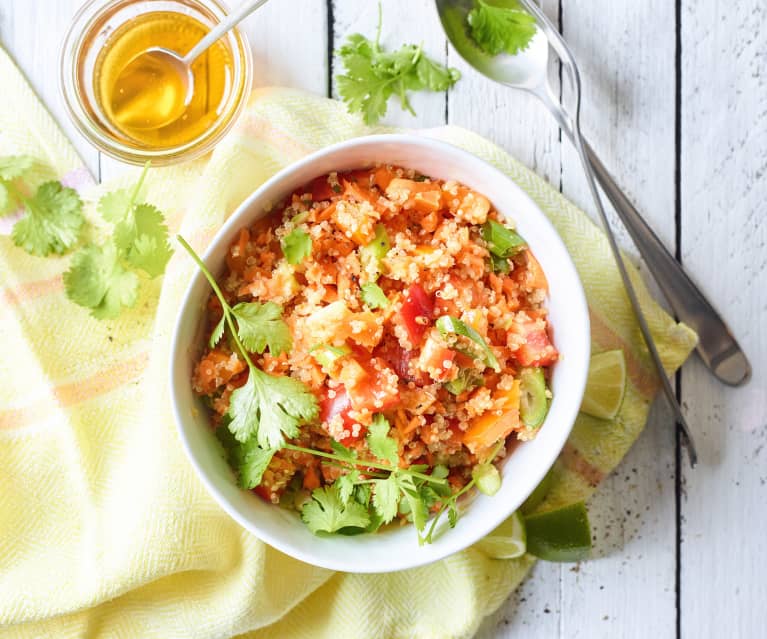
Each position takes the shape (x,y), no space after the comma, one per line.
(499,264)
(487,478)
(450,325)
(371,254)
(533,404)
(501,241)
(467,378)
(326,355)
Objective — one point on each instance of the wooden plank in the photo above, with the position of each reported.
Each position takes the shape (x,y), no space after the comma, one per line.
(516,122)
(404,22)
(723,162)
(511,118)
(625,52)
(31,32)
(273,32)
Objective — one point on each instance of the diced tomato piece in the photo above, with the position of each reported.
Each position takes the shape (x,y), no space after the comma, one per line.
(417,312)
(341,405)
(399,360)
(320,189)
(378,391)
(537,350)
(263,492)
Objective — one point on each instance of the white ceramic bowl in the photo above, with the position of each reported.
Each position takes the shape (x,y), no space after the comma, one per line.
(395,548)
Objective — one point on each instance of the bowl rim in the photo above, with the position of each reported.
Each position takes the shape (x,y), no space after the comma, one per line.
(239,218)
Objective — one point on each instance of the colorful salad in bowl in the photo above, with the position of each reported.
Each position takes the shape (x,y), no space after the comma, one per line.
(373,348)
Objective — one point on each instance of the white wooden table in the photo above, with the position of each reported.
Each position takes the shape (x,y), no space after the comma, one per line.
(676,105)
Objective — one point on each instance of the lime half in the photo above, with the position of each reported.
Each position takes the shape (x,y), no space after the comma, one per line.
(563,534)
(606,385)
(505,542)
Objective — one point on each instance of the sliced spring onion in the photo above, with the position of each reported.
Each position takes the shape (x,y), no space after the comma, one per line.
(501,241)
(326,355)
(467,378)
(447,325)
(371,254)
(487,478)
(533,404)
(499,264)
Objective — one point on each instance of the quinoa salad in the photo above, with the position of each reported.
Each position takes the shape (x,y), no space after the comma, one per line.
(376,345)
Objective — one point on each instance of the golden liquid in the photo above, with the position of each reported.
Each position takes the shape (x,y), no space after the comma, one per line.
(140,95)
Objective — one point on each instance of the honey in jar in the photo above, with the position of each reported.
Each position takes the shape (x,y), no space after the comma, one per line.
(140,96)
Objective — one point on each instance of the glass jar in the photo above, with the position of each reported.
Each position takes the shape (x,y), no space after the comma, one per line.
(89,36)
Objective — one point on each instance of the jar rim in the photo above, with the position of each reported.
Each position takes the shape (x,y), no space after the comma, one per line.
(74,42)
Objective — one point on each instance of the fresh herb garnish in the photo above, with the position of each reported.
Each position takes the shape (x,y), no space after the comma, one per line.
(501,26)
(260,325)
(296,245)
(379,442)
(248,459)
(447,326)
(328,513)
(54,214)
(102,277)
(374,75)
(267,407)
(373,296)
(97,280)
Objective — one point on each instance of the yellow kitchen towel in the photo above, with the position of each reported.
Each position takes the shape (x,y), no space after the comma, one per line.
(105,531)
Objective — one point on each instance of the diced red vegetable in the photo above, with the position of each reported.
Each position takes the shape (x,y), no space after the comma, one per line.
(537,350)
(417,312)
(320,189)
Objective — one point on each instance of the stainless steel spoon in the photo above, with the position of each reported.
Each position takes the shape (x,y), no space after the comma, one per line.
(528,71)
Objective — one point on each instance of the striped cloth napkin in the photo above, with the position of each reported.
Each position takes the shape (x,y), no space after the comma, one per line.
(104,528)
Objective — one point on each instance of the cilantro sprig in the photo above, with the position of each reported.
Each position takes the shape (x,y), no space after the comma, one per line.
(267,408)
(501,26)
(265,416)
(105,277)
(374,75)
(54,214)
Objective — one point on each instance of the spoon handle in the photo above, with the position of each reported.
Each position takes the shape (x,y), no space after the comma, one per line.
(717,347)
(228,23)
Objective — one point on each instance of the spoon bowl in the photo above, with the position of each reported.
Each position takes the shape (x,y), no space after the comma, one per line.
(153,90)
(526,70)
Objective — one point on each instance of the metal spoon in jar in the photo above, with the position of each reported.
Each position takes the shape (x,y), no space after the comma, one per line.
(164,78)
(528,70)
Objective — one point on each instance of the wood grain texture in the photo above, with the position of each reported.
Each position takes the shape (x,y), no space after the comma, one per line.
(724,243)
(626,51)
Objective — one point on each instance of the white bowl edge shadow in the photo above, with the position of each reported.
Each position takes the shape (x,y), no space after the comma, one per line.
(395,548)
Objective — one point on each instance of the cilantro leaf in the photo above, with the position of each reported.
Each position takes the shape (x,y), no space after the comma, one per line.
(373,75)
(327,513)
(140,232)
(97,280)
(501,26)
(415,504)
(53,220)
(296,245)
(268,408)
(149,250)
(379,442)
(386,497)
(14,166)
(346,483)
(261,325)
(218,332)
(247,459)
(373,296)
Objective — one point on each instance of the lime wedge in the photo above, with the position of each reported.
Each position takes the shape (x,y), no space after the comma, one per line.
(539,494)
(505,542)
(606,385)
(563,534)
